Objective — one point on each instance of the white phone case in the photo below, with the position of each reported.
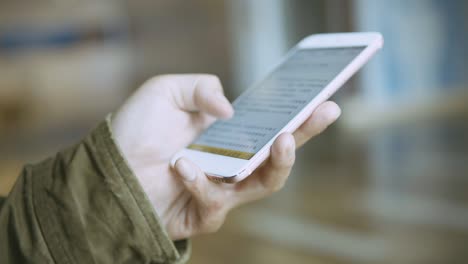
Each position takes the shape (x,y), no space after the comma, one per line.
(227,169)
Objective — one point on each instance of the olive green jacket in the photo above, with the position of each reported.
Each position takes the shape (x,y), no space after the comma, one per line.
(83,206)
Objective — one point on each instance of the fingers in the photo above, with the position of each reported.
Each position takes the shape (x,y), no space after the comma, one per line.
(212,201)
(270,177)
(196,182)
(323,116)
(209,97)
(277,170)
(192,177)
(200,92)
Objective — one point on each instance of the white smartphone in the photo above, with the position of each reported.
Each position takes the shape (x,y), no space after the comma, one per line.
(229,150)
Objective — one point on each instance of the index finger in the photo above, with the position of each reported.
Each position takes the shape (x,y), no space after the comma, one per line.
(199,93)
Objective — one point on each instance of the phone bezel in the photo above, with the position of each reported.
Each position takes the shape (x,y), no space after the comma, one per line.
(228,169)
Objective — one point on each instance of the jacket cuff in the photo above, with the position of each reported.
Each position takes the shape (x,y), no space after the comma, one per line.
(112,157)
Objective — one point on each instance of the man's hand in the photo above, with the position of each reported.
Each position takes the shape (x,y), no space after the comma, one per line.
(166,114)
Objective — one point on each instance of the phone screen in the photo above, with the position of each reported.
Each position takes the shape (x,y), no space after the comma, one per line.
(262,111)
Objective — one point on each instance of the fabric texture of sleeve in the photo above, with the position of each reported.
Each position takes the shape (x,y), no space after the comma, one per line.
(2,199)
(84,206)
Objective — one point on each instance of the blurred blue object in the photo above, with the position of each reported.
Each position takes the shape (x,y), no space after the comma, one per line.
(453,62)
(425,50)
(18,39)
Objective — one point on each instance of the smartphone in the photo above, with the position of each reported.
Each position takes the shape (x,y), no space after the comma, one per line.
(229,150)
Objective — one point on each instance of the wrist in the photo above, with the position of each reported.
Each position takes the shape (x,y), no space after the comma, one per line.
(117,129)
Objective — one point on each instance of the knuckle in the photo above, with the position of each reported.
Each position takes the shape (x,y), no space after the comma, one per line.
(158,79)
(310,128)
(213,82)
(212,78)
(159,82)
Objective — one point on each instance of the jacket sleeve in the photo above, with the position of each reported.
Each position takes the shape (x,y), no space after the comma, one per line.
(83,206)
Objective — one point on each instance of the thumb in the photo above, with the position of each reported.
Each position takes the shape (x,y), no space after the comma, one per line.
(193,179)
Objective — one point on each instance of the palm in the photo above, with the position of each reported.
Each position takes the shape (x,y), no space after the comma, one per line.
(150,144)
(180,213)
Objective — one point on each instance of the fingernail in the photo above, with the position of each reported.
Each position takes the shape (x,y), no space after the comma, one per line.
(334,113)
(185,170)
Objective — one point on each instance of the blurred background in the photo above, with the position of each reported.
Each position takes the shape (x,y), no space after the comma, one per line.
(387,184)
